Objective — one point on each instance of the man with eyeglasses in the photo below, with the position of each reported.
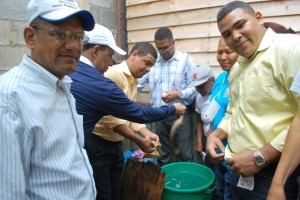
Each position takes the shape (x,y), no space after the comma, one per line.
(168,83)
(41,134)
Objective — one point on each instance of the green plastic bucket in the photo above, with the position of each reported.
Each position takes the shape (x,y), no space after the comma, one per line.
(188,180)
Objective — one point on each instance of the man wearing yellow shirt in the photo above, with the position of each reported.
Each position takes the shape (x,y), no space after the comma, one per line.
(110,130)
(261,105)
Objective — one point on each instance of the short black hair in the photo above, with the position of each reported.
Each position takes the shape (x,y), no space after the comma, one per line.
(144,48)
(227,8)
(163,33)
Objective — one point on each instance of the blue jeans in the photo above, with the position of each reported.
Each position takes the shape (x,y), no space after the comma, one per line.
(262,183)
(223,182)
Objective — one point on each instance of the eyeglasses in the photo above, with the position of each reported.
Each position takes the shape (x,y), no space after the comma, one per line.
(63,35)
(162,50)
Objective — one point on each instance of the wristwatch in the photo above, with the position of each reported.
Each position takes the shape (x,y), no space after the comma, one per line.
(259,159)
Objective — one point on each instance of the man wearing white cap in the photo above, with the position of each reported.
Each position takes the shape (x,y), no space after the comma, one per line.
(42,154)
(99,47)
(203,80)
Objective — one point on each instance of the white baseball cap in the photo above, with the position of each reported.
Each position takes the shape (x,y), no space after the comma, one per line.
(103,36)
(200,75)
(59,10)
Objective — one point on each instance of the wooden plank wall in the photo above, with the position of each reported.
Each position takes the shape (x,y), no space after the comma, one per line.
(193,23)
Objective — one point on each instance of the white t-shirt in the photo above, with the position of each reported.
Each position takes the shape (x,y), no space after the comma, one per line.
(202,104)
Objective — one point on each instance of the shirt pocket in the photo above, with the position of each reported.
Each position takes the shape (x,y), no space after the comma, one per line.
(258,93)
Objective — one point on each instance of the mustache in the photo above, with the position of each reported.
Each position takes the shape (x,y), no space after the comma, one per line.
(70,55)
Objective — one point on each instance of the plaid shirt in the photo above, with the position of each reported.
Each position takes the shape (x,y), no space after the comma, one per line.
(171,75)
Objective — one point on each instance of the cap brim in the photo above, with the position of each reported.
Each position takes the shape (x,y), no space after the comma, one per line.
(118,49)
(196,83)
(86,17)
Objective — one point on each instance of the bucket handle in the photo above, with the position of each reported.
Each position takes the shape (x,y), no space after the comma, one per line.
(210,190)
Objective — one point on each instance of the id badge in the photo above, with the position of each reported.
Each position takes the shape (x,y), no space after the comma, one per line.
(246,182)
(212,110)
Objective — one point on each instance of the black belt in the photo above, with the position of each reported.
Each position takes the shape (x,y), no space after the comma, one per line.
(97,137)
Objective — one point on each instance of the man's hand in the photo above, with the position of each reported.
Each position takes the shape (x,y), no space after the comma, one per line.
(180,108)
(170,96)
(243,164)
(212,144)
(146,144)
(276,192)
(154,139)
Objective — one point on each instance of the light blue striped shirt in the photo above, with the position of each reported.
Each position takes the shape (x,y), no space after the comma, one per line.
(172,75)
(41,138)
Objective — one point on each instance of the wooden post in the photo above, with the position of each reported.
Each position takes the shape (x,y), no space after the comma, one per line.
(142,181)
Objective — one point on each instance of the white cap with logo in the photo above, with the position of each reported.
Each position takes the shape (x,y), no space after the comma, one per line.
(59,10)
(103,36)
(200,75)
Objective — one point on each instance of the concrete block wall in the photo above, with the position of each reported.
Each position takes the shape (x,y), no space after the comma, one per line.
(105,13)
(13,19)
(12,22)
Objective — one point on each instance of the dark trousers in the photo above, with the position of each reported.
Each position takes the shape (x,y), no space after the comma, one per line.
(298,180)
(183,139)
(262,183)
(107,160)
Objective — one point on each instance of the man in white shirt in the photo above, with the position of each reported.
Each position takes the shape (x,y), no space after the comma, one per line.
(41,134)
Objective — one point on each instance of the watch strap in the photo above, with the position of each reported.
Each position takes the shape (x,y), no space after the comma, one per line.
(259,159)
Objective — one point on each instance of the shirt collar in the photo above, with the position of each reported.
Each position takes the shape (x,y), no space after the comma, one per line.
(124,68)
(174,57)
(40,72)
(86,61)
(266,42)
